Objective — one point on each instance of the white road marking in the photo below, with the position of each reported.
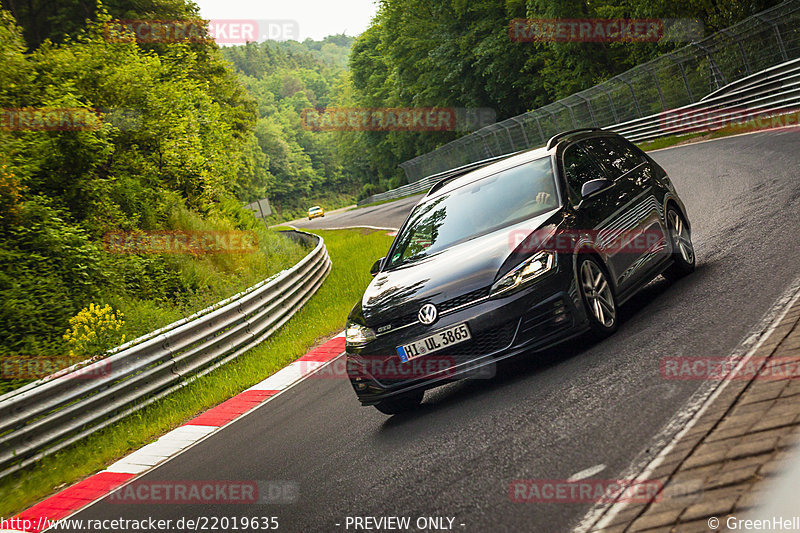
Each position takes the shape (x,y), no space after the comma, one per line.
(589,472)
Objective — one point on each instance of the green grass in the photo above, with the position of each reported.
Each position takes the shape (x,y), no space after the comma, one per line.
(352,253)
(666,142)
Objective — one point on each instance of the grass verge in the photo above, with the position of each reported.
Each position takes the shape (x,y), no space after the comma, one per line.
(352,253)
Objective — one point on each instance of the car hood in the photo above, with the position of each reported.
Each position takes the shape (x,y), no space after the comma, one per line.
(455,271)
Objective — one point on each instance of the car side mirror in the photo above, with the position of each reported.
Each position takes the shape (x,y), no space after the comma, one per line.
(594,186)
(376,267)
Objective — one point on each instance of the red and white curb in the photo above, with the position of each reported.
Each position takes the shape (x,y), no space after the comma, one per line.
(96,487)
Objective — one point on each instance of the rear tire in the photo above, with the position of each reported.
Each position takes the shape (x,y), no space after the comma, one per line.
(598,297)
(400,404)
(682,248)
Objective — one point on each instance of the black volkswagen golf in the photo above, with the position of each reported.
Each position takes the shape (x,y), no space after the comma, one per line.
(514,255)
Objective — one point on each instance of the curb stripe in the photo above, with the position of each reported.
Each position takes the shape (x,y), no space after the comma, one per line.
(97,486)
(73,498)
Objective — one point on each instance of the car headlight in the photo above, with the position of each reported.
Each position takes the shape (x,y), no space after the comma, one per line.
(526,271)
(358,335)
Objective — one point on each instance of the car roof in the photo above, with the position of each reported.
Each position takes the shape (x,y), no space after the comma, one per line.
(314,207)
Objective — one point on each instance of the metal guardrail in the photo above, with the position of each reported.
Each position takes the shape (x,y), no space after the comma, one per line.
(45,416)
(712,72)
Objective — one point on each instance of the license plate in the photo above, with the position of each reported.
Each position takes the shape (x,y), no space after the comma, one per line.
(433,343)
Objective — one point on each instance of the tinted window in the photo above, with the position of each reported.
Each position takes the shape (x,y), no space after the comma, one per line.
(578,169)
(477,208)
(614,155)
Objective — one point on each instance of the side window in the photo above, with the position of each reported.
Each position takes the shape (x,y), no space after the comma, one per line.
(632,157)
(613,155)
(578,169)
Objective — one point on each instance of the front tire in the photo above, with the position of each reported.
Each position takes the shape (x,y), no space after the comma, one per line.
(682,248)
(400,404)
(598,297)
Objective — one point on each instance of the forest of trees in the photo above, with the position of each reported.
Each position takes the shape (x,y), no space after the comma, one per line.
(296,167)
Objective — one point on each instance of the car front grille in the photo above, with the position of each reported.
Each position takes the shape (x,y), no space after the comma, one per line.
(444,307)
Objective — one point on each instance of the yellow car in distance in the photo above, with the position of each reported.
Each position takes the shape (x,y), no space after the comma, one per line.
(314,212)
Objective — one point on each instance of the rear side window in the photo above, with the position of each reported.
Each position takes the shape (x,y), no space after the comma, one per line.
(578,169)
(614,155)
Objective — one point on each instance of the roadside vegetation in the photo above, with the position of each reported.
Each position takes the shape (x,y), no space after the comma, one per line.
(170,152)
(352,253)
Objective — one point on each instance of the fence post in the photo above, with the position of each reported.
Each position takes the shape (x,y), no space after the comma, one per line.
(633,94)
(571,114)
(716,73)
(589,105)
(777,31)
(521,124)
(602,87)
(685,79)
(745,62)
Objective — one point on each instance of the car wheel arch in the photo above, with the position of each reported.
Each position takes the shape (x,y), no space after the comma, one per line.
(671,203)
(586,249)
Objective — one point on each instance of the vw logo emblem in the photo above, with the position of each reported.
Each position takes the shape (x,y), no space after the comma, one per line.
(427,314)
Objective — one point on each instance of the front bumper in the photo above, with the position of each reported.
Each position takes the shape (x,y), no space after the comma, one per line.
(536,318)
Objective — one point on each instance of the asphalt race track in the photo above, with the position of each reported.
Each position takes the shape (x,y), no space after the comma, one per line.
(545,416)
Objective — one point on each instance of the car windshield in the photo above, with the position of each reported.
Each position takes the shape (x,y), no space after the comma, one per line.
(475,209)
